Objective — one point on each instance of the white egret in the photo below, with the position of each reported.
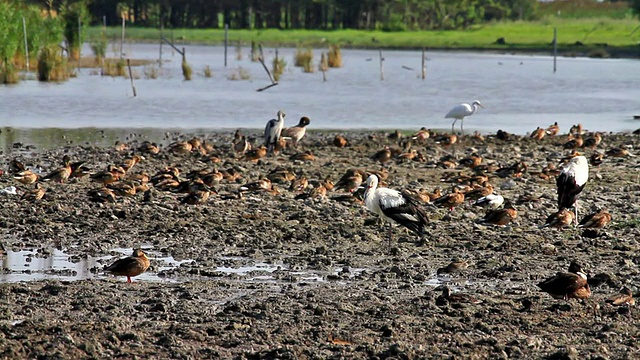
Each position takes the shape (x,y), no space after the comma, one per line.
(461,111)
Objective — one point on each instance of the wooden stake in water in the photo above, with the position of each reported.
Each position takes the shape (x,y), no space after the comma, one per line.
(79,42)
(424,66)
(555,48)
(160,55)
(226,42)
(122,40)
(131,77)
(26,46)
(381,69)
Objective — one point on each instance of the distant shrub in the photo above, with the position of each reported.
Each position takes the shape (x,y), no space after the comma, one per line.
(335,56)
(208,72)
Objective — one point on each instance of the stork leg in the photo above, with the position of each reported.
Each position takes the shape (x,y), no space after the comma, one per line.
(575,207)
(461,129)
(452,125)
(390,233)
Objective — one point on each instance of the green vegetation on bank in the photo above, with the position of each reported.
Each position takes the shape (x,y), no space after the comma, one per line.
(519,35)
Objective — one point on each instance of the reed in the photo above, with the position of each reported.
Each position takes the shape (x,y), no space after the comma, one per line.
(335,56)
(99,48)
(8,73)
(239,51)
(52,66)
(186,69)
(150,72)
(255,53)
(324,63)
(278,66)
(239,74)
(113,67)
(75,17)
(208,72)
(304,59)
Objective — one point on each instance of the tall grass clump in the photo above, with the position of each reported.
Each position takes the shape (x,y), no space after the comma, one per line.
(278,66)
(113,68)
(335,56)
(9,40)
(186,68)
(304,58)
(75,17)
(324,63)
(255,54)
(150,72)
(99,47)
(239,74)
(239,50)
(52,66)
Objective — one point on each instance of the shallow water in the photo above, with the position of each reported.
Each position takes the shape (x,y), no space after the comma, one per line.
(520,92)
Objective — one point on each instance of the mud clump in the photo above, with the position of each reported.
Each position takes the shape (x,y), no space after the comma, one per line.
(268,273)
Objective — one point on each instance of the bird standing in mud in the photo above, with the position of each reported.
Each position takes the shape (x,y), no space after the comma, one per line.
(570,183)
(460,112)
(272,131)
(296,133)
(394,207)
(567,285)
(130,266)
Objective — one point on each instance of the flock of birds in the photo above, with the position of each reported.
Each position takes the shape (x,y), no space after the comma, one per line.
(405,208)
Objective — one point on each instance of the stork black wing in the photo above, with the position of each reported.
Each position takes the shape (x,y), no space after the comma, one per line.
(568,190)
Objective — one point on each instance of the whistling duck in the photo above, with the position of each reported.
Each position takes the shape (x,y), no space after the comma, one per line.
(567,285)
(453,267)
(298,185)
(592,141)
(102,195)
(131,266)
(596,220)
(624,297)
(149,148)
(382,156)
(303,156)
(61,174)
(553,130)
(255,154)
(351,180)
(451,200)
(559,219)
(422,134)
(129,163)
(340,141)
(538,133)
(26,177)
(180,147)
(35,194)
(500,217)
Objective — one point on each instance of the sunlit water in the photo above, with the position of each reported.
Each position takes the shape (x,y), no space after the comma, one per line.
(520,92)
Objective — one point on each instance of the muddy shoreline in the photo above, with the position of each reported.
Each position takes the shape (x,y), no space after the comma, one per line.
(318,278)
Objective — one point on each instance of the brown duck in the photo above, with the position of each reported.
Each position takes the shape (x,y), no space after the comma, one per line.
(567,285)
(131,266)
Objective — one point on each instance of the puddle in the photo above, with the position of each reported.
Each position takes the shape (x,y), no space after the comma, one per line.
(43,264)
(30,265)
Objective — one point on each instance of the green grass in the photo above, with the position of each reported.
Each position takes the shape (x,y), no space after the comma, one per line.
(518,36)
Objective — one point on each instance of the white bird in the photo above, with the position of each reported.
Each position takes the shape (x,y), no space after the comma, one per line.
(492,201)
(571,181)
(394,207)
(272,131)
(461,111)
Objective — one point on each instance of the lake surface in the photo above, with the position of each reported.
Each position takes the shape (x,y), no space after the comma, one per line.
(520,92)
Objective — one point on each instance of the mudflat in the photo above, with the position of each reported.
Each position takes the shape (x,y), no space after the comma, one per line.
(261,274)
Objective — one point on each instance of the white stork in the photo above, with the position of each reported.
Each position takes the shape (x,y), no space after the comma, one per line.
(571,181)
(394,207)
(461,111)
(272,131)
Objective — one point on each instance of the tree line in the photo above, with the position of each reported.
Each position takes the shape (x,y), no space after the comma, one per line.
(388,15)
